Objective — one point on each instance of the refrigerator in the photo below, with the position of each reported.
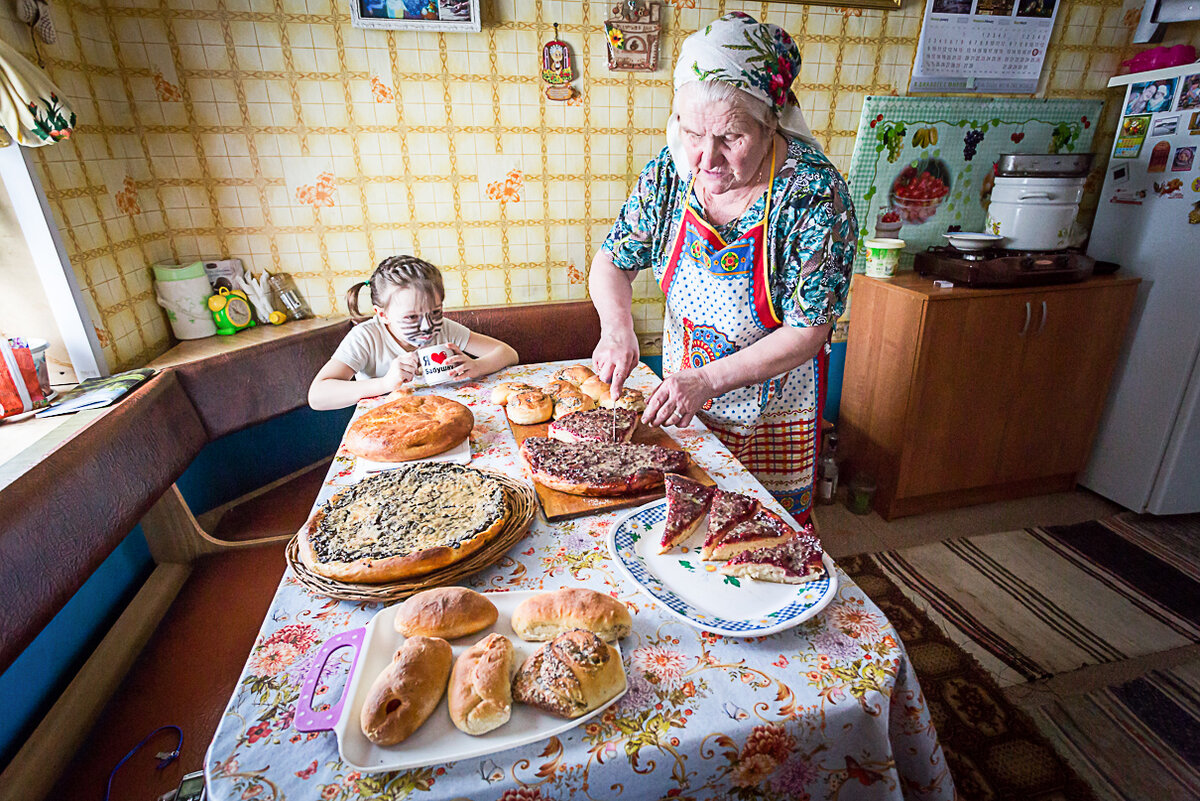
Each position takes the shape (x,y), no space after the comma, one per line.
(1146,454)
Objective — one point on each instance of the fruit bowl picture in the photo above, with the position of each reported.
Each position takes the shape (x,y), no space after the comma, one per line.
(919,190)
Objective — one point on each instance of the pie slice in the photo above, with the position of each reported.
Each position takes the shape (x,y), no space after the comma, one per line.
(597,425)
(764,529)
(599,468)
(688,502)
(796,561)
(728,510)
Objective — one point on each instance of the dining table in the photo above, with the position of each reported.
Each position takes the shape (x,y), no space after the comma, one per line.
(830,708)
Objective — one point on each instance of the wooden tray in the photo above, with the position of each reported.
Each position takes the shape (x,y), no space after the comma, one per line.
(520,499)
(563,506)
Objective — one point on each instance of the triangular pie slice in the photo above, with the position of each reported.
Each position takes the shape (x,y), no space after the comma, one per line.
(763,530)
(596,425)
(728,509)
(687,503)
(796,561)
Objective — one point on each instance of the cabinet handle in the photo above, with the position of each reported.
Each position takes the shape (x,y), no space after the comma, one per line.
(1028,317)
(1042,324)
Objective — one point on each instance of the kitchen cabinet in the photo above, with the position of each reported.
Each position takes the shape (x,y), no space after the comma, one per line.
(957,396)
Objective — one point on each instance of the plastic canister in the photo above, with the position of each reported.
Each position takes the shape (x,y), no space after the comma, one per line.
(183,291)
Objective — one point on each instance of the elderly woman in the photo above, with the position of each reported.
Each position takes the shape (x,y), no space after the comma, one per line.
(751,234)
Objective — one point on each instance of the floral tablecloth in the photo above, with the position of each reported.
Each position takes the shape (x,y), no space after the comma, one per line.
(829,709)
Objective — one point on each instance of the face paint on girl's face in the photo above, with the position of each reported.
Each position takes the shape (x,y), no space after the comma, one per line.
(412,317)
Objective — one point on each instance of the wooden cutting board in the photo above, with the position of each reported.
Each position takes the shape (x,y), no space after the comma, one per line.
(562,505)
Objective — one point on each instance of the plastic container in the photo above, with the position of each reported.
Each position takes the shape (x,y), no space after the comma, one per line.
(883,256)
(860,494)
(183,291)
(287,298)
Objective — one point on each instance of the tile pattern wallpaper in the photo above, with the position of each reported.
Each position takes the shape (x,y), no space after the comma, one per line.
(274,132)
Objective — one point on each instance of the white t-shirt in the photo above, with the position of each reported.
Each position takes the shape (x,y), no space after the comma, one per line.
(369,348)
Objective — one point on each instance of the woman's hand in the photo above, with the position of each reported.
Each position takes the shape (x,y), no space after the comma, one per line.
(463,365)
(678,398)
(614,358)
(402,370)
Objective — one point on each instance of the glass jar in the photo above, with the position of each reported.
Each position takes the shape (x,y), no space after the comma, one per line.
(287,298)
(861,494)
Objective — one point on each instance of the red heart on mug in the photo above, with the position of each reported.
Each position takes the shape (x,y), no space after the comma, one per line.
(438,358)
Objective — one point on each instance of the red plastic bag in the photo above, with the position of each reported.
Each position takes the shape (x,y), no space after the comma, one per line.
(20,390)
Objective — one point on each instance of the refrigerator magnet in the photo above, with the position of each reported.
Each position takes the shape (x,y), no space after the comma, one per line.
(1165,126)
(1131,136)
(1159,157)
(1185,157)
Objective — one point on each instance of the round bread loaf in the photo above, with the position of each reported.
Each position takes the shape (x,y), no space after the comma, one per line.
(446,612)
(530,408)
(571,675)
(630,399)
(556,389)
(410,427)
(545,616)
(506,389)
(405,694)
(480,692)
(577,402)
(576,374)
(595,389)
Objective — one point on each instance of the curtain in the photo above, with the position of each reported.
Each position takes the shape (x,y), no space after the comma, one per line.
(32,109)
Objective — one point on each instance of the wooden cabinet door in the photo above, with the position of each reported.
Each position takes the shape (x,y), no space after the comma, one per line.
(969,359)
(1069,355)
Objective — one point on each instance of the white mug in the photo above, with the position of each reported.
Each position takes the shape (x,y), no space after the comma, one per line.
(435,363)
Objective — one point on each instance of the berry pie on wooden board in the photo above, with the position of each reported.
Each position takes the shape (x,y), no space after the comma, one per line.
(405,522)
(599,468)
(410,427)
(597,425)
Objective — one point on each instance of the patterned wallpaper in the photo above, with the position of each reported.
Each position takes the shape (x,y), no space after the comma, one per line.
(274,132)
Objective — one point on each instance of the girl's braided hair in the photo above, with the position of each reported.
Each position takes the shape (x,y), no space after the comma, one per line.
(397,272)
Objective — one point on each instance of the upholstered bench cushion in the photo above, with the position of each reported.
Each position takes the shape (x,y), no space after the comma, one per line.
(67,513)
(540,332)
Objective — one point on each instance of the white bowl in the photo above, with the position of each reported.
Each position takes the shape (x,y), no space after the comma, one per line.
(972,241)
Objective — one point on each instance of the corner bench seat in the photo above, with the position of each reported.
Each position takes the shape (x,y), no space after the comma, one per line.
(67,514)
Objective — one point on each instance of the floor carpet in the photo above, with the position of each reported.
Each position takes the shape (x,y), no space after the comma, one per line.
(1132,741)
(994,750)
(1040,602)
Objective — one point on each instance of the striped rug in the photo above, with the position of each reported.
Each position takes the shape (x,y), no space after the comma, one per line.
(1036,603)
(1133,741)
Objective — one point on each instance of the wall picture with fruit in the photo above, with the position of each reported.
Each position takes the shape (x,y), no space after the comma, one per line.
(923,166)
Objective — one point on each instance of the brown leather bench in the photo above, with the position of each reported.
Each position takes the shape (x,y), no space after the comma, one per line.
(66,514)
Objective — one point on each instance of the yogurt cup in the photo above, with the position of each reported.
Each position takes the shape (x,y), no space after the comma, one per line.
(883,256)
(435,365)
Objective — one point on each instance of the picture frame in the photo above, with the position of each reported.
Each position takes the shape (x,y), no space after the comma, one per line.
(883,5)
(416,15)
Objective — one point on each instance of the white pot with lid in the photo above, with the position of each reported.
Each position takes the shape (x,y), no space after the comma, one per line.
(1035,213)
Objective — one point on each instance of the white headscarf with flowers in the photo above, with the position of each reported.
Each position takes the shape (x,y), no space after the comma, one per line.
(759,58)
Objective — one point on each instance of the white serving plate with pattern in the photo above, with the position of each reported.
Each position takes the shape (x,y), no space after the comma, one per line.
(698,593)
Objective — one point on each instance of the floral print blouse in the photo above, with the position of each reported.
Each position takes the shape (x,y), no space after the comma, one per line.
(812,231)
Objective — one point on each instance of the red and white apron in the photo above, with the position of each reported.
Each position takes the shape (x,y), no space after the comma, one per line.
(718,302)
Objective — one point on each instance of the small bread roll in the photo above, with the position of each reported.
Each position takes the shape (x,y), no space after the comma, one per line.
(506,389)
(545,616)
(594,388)
(630,399)
(570,675)
(573,403)
(480,692)
(530,408)
(576,374)
(556,389)
(405,694)
(446,612)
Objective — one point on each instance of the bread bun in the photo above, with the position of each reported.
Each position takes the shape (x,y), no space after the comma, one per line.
(480,692)
(545,616)
(506,389)
(576,374)
(556,389)
(631,399)
(530,407)
(446,612)
(573,403)
(594,388)
(405,694)
(571,675)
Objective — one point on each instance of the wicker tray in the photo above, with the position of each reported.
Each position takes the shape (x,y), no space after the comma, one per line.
(521,500)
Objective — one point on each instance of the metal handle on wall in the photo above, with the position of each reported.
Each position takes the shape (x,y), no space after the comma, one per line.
(1042,324)
(1028,317)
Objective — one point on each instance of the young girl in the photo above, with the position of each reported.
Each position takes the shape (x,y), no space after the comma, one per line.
(379,355)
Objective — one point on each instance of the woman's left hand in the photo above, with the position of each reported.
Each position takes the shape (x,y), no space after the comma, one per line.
(462,365)
(678,398)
